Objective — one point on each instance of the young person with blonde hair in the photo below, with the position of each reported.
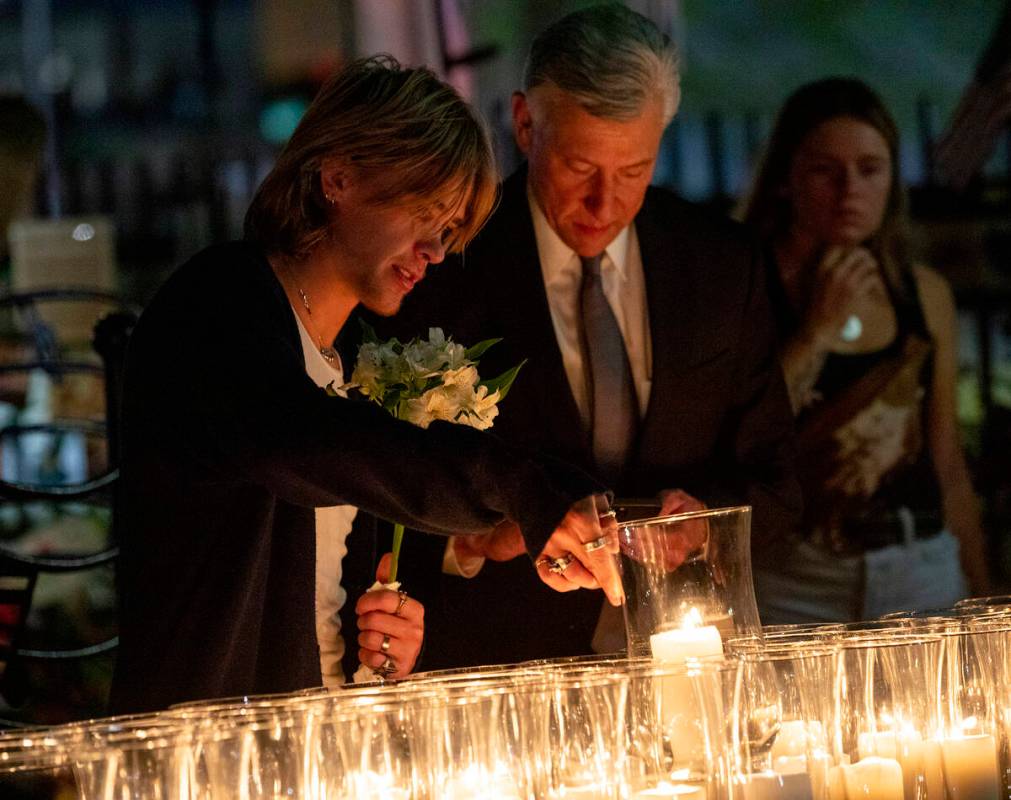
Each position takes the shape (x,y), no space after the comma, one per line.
(240,474)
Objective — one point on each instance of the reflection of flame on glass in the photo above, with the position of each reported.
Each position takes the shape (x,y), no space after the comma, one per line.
(693,619)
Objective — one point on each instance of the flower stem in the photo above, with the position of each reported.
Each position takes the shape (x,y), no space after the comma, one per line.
(398,538)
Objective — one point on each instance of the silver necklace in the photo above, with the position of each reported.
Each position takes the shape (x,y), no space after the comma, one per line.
(327,351)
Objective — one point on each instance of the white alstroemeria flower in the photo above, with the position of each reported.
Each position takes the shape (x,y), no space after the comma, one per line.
(416,412)
(368,372)
(483,409)
(463,376)
(445,402)
(427,380)
(417,357)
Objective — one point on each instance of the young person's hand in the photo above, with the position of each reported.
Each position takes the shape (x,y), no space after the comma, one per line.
(391,627)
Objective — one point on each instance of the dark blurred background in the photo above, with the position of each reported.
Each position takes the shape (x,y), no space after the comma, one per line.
(161,116)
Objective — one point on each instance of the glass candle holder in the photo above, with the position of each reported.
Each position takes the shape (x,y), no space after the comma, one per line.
(886,716)
(687,583)
(779,702)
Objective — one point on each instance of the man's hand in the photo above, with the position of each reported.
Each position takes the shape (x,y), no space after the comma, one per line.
(579,554)
(390,625)
(502,544)
(678,501)
(676,544)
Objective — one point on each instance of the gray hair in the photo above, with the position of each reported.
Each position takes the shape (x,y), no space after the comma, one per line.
(610,58)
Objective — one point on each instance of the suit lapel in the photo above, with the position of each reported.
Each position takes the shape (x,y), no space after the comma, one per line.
(665,256)
(524,317)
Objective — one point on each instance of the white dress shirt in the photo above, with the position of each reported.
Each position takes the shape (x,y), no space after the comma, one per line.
(625,289)
(333,524)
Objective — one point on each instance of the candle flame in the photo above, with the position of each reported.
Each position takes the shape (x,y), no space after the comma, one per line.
(693,619)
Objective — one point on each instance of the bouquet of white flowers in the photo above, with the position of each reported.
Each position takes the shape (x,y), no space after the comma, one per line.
(426,380)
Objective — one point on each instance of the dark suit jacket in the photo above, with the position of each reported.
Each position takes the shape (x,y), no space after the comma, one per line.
(718,424)
(228,446)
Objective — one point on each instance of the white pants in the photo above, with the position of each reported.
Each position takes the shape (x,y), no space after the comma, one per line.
(816,585)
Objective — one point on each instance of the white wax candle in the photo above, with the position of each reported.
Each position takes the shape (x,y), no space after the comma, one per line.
(933,768)
(671,791)
(818,768)
(970,767)
(876,777)
(836,784)
(905,746)
(789,765)
(880,743)
(791,739)
(772,786)
(471,786)
(376,786)
(678,645)
(586,791)
(680,710)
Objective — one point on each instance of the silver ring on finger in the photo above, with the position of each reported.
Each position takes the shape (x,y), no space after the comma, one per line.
(401,603)
(384,648)
(560,564)
(387,668)
(597,544)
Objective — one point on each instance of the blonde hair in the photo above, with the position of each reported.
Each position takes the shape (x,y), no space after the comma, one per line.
(382,119)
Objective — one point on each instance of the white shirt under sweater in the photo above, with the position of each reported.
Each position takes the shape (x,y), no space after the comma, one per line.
(333,524)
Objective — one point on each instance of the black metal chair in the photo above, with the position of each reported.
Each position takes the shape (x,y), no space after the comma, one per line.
(19,571)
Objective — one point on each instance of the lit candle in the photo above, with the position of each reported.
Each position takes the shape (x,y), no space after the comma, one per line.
(671,791)
(691,640)
(772,786)
(680,710)
(474,783)
(375,786)
(879,743)
(970,767)
(791,739)
(933,768)
(880,778)
(585,791)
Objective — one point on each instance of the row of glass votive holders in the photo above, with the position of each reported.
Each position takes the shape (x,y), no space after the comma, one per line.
(909,707)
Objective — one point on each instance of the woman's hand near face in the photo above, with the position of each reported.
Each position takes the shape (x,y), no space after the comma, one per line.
(384,616)
(844,278)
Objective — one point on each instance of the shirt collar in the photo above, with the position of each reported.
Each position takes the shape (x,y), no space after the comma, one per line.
(556,256)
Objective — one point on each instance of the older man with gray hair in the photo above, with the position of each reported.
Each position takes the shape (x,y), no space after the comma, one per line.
(644,323)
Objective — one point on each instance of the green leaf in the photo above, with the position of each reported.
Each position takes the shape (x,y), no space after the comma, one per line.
(368,332)
(479,349)
(504,381)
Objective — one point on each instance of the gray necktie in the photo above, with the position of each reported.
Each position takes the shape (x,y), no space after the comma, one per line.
(614,410)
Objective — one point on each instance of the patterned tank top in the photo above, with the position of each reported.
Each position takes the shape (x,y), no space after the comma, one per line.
(861,445)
